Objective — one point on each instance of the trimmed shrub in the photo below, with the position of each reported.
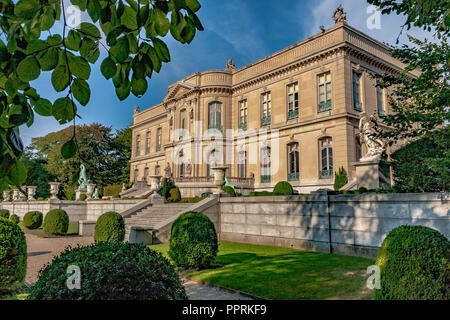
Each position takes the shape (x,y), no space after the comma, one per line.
(56,222)
(340,179)
(167,186)
(4,213)
(283,188)
(13,254)
(14,219)
(414,263)
(32,220)
(261,194)
(175,195)
(193,241)
(83,197)
(230,191)
(110,271)
(110,227)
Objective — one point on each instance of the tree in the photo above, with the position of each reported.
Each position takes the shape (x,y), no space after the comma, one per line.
(133,31)
(121,145)
(38,176)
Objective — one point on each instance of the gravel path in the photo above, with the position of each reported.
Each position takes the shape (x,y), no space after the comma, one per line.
(42,250)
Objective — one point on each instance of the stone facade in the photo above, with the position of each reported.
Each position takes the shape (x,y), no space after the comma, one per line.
(316,90)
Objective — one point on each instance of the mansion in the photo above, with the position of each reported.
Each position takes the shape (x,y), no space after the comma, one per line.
(292,116)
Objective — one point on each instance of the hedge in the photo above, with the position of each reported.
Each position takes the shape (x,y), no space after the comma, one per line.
(110,227)
(283,188)
(56,222)
(4,213)
(32,220)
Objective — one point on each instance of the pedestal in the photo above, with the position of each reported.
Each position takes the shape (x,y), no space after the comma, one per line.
(31,193)
(219,179)
(79,192)
(155,182)
(368,174)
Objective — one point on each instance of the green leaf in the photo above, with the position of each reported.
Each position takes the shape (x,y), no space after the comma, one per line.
(35,46)
(79,67)
(26,8)
(155,59)
(28,69)
(194,5)
(92,58)
(14,141)
(188,32)
(120,50)
(94,10)
(43,107)
(81,91)
(129,18)
(60,78)
(64,110)
(54,40)
(161,50)
(48,59)
(48,18)
(108,68)
(90,30)
(138,86)
(123,91)
(18,115)
(86,47)
(133,43)
(162,22)
(18,173)
(73,40)
(69,149)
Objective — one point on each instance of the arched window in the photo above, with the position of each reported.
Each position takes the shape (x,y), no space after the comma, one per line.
(146,173)
(138,145)
(147,142)
(136,175)
(242,164)
(326,158)
(183,122)
(265,160)
(215,116)
(293,162)
(157,171)
(158,139)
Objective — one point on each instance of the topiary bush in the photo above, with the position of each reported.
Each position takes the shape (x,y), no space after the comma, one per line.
(83,197)
(56,222)
(110,271)
(110,227)
(13,254)
(340,179)
(193,241)
(283,188)
(33,220)
(167,186)
(175,195)
(14,219)
(414,263)
(230,191)
(4,213)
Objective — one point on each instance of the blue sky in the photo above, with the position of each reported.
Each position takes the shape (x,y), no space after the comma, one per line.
(244,30)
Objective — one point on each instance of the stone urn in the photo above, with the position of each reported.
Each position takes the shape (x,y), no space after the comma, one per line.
(219,178)
(54,189)
(16,196)
(155,182)
(31,191)
(90,190)
(6,195)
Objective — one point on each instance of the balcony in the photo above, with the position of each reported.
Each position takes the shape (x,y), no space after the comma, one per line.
(265,179)
(324,106)
(358,106)
(215,126)
(243,126)
(326,174)
(265,121)
(293,176)
(292,114)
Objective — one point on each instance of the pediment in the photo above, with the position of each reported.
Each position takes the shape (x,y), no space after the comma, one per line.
(179,90)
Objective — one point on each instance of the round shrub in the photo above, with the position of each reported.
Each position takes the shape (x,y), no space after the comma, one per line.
(14,219)
(56,222)
(175,195)
(110,271)
(283,188)
(32,220)
(13,254)
(110,227)
(83,197)
(4,213)
(193,242)
(230,191)
(414,263)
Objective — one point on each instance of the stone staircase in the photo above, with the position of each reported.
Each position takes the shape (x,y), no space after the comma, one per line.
(153,215)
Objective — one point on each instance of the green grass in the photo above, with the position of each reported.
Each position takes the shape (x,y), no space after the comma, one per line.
(285,274)
(71,231)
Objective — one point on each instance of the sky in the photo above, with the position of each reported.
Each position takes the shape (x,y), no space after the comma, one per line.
(244,30)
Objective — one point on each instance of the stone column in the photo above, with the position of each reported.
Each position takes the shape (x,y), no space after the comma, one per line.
(31,193)
(368,174)
(90,190)
(54,189)
(155,182)
(219,179)
(6,195)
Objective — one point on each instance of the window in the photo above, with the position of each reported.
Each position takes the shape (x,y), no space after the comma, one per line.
(182,170)
(242,164)
(215,116)
(157,170)
(357,91)
(138,145)
(326,158)
(293,165)
(380,101)
(243,114)
(265,165)
(158,139)
(146,171)
(266,108)
(324,92)
(358,152)
(136,175)
(147,142)
(292,98)
(183,122)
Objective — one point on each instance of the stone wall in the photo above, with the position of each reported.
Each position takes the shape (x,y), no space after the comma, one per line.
(344,224)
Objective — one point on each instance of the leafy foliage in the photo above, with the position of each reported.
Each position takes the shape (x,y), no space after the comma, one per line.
(13,253)
(110,227)
(230,191)
(4,213)
(414,263)
(14,219)
(56,222)
(283,188)
(193,241)
(33,220)
(175,195)
(340,179)
(167,186)
(32,46)
(110,271)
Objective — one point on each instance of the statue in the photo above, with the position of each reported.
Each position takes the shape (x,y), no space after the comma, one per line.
(230,65)
(96,194)
(137,109)
(375,146)
(168,171)
(339,15)
(189,169)
(83,180)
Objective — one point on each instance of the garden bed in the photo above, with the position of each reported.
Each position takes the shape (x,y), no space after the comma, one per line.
(72,231)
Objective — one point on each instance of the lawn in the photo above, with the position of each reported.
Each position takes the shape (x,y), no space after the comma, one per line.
(285,274)
(71,231)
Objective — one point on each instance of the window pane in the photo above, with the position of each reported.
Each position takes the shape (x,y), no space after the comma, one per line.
(328,77)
